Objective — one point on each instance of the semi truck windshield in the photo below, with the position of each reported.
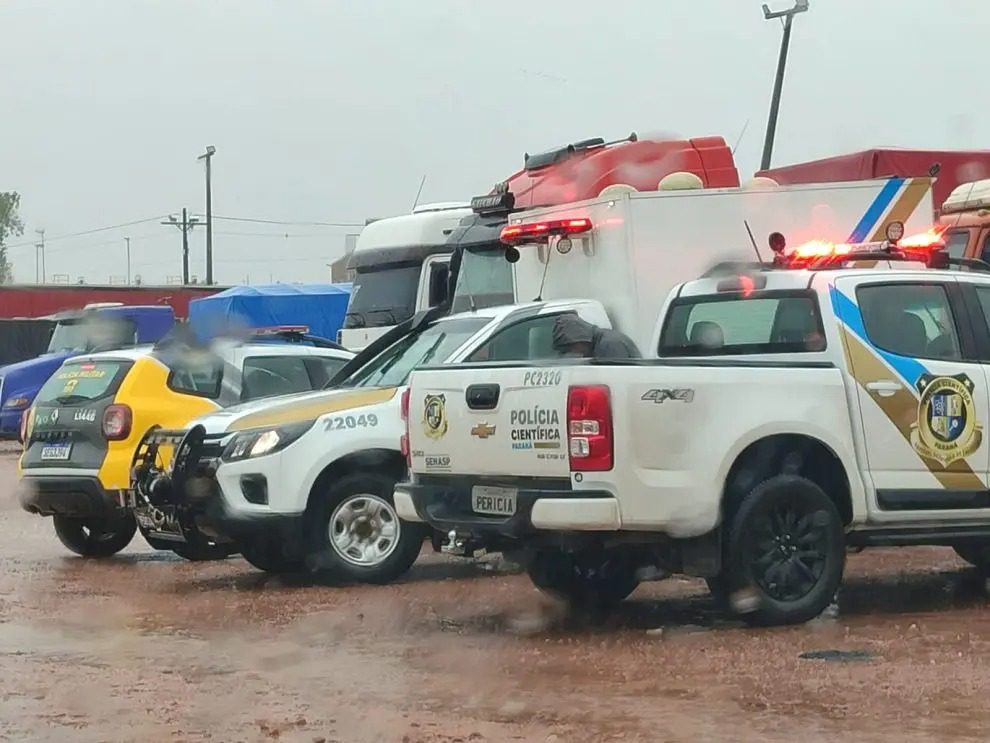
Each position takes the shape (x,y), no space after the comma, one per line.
(383,295)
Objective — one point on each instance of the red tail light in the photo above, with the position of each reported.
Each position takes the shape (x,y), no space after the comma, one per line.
(589,428)
(404,440)
(117,421)
(536,231)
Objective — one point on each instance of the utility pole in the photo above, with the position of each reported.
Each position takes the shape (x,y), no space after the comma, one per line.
(800,6)
(39,259)
(127,240)
(208,156)
(184,226)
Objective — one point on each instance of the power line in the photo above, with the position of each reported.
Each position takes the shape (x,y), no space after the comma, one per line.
(89,232)
(300,224)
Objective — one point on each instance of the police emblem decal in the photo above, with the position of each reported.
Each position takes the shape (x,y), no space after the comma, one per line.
(947,429)
(434,416)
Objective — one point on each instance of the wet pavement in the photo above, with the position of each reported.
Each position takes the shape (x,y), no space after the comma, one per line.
(148,647)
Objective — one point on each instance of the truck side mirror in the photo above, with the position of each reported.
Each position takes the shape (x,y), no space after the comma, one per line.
(438,289)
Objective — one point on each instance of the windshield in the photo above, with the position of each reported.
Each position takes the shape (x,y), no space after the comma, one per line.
(382,296)
(393,366)
(83,382)
(92,333)
(484,277)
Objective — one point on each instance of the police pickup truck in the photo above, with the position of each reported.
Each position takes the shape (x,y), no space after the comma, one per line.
(789,414)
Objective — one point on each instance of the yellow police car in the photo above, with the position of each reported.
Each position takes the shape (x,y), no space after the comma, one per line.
(81,435)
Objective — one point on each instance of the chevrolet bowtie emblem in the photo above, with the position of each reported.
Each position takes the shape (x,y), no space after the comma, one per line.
(483,430)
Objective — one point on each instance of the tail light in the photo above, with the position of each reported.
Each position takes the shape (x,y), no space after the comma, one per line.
(404,440)
(535,231)
(23,435)
(589,428)
(117,421)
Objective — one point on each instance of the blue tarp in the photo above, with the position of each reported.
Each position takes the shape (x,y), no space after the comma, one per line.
(320,307)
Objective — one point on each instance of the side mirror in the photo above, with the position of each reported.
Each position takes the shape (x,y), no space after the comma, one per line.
(439,280)
(511,254)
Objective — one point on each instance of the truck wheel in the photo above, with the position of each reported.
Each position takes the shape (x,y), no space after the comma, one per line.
(357,536)
(267,556)
(102,538)
(786,546)
(586,580)
(976,554)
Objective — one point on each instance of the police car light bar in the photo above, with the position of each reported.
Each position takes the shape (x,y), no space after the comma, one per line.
(530,232)
(281,330)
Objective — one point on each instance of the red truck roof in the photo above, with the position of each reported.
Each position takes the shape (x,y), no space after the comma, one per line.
(39,300)
(581,170)
(956,167)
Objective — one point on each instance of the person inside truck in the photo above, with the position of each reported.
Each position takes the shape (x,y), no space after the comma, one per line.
(572,336)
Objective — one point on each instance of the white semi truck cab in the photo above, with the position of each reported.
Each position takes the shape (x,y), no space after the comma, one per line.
(401,267)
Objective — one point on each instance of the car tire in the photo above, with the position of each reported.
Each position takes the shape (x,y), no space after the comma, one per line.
(268,556)
(976,554)
(355,534)
(595,580)
(96,538)
(786,552)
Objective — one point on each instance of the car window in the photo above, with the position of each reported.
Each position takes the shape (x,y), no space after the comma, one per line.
(910,320)
(84,381)
(956,242)
(194,374)
(771,322)
(527,340)
(985,249)
(267,376)
(322,369)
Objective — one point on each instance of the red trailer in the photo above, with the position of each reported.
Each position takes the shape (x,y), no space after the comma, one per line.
(39,300)
(955,167)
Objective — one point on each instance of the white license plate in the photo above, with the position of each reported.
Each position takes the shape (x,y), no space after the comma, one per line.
(56,452)
(493,501)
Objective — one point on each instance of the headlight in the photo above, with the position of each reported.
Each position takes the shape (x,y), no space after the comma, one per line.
(17,403)
(261,441)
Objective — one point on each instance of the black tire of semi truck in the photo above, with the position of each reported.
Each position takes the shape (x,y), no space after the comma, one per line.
(96,538)
(355,535)
(594,581)
(785,553)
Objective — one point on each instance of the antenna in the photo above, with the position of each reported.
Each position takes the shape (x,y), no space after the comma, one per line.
(739,140)
(753,240)
(420,191)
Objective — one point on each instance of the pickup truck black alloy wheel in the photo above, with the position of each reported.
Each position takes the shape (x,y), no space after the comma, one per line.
(96,538)
(356,535)
(593,580)
(786,544)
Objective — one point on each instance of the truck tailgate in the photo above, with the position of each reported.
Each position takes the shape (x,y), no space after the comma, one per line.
(489,421)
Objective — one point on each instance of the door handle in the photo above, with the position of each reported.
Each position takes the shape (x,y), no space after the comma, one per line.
(884,387)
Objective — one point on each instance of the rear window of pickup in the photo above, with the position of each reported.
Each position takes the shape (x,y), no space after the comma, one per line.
(737,324)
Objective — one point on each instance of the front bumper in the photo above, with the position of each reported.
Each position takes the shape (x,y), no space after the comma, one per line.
(78,497)
(446,505)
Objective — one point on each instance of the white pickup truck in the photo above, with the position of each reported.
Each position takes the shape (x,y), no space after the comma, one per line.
(789,414)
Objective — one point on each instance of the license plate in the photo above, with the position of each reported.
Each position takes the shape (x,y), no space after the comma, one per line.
(56,452)
(493,501)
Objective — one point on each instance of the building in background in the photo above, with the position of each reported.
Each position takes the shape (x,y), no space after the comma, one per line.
(338,269)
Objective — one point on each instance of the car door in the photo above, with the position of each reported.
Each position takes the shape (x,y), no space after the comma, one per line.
(922,394)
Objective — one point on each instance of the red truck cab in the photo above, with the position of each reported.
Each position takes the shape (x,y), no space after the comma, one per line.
(965,220)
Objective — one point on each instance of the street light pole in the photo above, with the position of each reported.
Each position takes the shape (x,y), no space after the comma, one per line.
(127,240)
(208,156)
(800,6)
(185,225)
(39,259)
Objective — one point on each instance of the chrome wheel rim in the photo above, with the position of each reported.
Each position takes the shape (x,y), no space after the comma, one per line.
(364,530)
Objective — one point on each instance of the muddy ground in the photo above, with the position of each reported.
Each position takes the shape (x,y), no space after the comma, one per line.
(148,647)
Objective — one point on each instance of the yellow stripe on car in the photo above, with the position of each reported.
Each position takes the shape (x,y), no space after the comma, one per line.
(295,411)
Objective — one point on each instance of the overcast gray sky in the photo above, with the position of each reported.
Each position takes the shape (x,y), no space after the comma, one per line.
(333,110)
